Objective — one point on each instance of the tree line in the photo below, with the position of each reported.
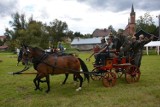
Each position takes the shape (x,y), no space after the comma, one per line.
(37,33)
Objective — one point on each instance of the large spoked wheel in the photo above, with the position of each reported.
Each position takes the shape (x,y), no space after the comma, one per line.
(95,75)
(119,72)
(132,74)
(109,79)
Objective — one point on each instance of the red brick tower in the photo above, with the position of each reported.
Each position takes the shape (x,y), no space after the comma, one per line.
(131,27)
(132,21)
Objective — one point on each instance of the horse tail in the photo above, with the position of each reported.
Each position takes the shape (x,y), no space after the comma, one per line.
(84,68)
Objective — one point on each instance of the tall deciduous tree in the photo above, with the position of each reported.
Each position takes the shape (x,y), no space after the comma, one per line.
(57,30)
(26,31)
(36,34)
(112,30)
(146,23)
(19,26)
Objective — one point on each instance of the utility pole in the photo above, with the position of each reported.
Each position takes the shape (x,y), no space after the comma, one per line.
(159,26)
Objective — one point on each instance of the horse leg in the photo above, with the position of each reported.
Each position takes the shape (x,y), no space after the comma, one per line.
(75,78)
(18,61)
(81,81)
(66,77)
(37,82)
(48,83)
(26,63)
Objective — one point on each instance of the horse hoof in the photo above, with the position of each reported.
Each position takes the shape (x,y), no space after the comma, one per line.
(63,83)
(78,89)
(38,89)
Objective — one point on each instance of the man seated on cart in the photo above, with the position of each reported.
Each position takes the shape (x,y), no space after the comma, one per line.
(107,51)
(97,47)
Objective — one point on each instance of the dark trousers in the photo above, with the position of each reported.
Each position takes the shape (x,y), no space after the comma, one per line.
(101,58)
(137,60)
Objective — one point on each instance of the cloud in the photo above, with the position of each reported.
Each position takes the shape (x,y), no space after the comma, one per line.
(7,7)
(81,15)
(121,5)
(149,5)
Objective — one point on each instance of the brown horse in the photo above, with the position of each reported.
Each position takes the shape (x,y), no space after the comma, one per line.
(23,57)
(46,64)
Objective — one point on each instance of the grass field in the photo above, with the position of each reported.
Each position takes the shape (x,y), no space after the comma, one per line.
(18,90)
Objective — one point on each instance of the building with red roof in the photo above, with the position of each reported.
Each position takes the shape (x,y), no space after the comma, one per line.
(2,38)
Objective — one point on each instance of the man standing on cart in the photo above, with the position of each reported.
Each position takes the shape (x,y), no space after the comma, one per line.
(138,46)
(107,51)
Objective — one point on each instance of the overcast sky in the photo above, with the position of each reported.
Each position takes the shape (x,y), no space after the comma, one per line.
(81,15)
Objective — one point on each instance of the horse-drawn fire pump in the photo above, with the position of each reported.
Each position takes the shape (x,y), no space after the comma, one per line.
(115,68)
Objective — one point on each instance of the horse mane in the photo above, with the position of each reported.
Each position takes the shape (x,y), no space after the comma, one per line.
(38,49)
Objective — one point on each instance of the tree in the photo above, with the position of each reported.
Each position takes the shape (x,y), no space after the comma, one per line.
(120,30)
(57,30)
(78,34)
(146,23)
(24,31)
(69,34)
(19,25)
(32,32)
(113,31)
(37,34)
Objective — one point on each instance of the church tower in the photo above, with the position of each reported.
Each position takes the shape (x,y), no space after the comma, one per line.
(131,27)
(132,15)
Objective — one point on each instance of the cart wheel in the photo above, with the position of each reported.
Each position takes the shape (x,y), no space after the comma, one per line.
(132,74)
(119,72)
(109,79)
(96,76)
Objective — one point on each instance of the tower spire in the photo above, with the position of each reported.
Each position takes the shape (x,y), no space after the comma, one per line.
(132,11)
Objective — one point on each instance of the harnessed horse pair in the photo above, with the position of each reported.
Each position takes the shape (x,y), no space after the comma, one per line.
(46,64)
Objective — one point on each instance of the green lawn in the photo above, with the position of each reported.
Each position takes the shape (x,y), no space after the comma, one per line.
(18,90)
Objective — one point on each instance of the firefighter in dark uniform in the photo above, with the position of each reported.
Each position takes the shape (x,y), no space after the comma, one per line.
(107,51)
(138,48)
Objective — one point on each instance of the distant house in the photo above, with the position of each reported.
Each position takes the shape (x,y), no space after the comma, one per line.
(85,44)
(3,47)
(2,38)
(101,33)
(88,43)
